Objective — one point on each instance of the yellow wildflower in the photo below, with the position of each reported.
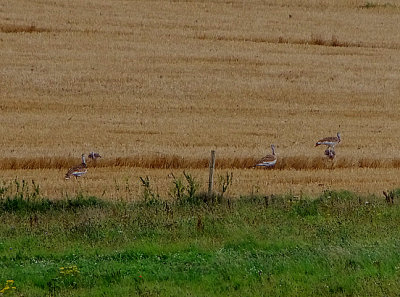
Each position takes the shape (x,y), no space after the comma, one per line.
(8,286)
(69,270)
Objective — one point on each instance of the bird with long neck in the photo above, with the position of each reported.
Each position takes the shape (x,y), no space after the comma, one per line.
(330,142)
(268,160)
(77,170)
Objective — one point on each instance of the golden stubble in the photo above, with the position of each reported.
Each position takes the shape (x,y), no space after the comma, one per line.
(124,183)
(167,81)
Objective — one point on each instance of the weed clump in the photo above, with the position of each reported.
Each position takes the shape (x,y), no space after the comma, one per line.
(21,196)
(305,208)
(184,191)
(149,196)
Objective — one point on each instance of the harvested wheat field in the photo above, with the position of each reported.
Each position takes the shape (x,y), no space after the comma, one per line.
(153,86)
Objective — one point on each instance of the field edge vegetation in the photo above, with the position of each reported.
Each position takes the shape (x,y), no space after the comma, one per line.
(337,244)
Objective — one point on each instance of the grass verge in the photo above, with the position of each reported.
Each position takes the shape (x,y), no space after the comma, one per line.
(337,244)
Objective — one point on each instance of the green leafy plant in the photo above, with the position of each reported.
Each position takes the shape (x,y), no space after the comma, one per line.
(149,196)
(225,182)
(185,190)
(192,186)
(177,191)
(67,278)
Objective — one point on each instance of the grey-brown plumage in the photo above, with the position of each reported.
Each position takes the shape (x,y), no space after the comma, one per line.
(94,156)
(330,142)
(77,170)
(268,160)
(330,153)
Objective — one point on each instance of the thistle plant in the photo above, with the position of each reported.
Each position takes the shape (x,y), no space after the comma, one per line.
(148,194)
(192,186)
(184,190)
(225,182)
(178,189)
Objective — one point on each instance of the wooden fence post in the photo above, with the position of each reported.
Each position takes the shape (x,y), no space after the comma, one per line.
(211,175)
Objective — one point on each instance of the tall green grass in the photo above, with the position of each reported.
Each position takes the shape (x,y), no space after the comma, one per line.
(336,244)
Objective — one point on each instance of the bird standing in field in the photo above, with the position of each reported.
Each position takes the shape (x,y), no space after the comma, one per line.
(330,153)
(330,142)
(78,170)
(268,160)
(94,156)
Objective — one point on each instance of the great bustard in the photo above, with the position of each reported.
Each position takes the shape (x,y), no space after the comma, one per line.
(330,142)
(330,153)
(78,170)
(268,160)
(94,156)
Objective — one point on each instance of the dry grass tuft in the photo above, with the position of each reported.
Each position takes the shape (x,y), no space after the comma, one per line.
(315,39)
(37,163)
(159,162)
(8,28)
(176,162)
(368,5)
(395,163)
